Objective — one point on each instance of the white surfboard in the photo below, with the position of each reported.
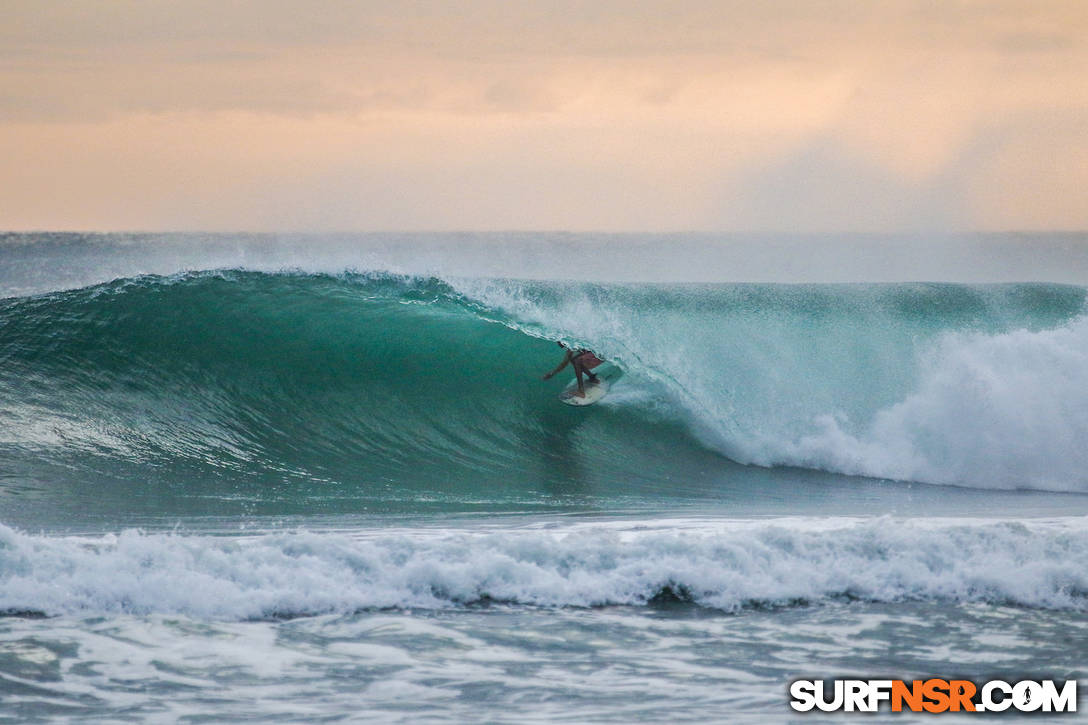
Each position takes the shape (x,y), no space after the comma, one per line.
(594,392)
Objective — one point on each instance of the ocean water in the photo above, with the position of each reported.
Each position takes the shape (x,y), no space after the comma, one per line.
(319,478)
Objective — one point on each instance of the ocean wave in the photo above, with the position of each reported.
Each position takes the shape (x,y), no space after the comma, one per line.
(979,386)
(725,566)
(377,377)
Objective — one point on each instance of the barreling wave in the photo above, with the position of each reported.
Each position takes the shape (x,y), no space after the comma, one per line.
(725,565)
(392,382)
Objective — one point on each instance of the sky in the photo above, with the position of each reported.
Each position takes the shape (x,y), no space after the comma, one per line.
(818,116)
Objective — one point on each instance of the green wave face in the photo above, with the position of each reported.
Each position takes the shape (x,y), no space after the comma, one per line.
(404,393)
(396,390)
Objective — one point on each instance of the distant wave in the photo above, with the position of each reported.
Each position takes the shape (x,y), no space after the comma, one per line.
(386,379)
(725,566)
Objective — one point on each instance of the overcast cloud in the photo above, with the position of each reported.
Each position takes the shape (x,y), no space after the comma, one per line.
(810,116)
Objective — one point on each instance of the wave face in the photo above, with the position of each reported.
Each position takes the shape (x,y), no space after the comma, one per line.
(724,565)
(403,383)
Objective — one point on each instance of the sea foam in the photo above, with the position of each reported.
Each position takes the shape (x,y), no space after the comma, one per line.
(991,410)
(725,565)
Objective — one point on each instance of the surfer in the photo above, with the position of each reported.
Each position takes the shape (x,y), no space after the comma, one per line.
(583,361)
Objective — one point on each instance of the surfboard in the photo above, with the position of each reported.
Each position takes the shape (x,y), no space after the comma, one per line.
(594,392)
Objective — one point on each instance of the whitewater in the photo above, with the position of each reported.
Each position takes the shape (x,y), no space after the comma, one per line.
(326,467)
(740,564)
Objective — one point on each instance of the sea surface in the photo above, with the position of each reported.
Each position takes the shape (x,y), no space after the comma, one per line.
(318,478)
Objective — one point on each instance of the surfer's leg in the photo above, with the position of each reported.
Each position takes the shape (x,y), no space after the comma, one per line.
(580,367)
(581,387)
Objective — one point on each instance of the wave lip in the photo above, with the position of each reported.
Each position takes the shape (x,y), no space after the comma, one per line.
(725,565)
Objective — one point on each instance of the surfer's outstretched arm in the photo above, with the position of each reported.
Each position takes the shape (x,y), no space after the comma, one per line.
(566,360)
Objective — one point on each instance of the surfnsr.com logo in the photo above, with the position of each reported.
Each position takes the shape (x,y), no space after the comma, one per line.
(933,695)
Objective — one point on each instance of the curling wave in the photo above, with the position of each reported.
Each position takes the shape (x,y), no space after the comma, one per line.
(406,382)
